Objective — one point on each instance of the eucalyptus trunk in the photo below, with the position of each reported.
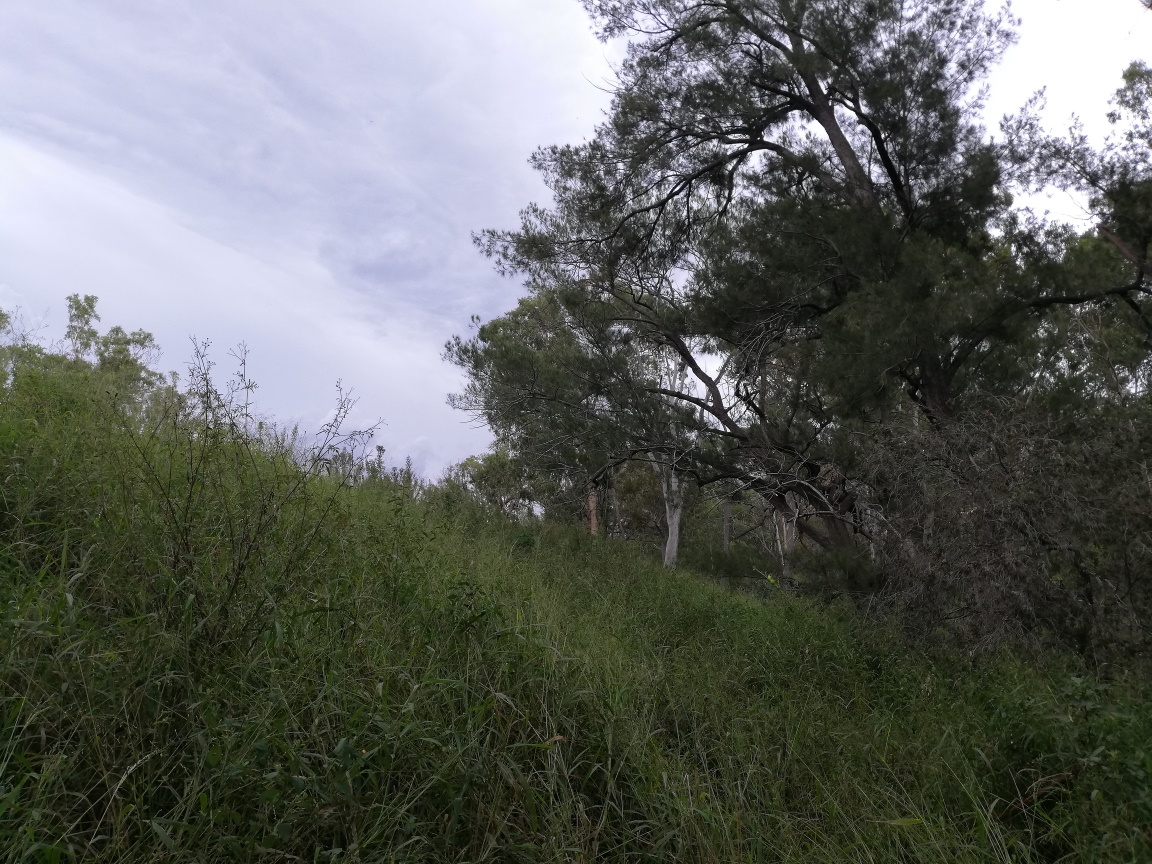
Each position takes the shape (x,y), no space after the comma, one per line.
(673,490)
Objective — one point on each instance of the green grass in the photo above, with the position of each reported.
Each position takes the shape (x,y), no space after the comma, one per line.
(207,655)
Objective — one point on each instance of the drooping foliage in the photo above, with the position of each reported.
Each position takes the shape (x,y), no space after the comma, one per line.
(793,207)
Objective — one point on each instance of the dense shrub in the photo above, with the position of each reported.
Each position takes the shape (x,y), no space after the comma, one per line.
(1019,525)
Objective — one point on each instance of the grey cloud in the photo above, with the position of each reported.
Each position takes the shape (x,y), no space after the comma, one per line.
(305,175)
(352,146)
(299,118)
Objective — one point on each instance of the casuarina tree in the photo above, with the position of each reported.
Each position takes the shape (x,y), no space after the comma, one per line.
(795,200)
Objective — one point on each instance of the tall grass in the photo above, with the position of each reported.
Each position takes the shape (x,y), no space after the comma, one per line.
(214,648)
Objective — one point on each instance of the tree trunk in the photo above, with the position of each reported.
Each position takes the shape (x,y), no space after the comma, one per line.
(824,113)
(785,543)
(593,507)
(673,508)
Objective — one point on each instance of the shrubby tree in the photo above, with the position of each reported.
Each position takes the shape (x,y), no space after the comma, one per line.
(499,482)
(574,396)
(118,361)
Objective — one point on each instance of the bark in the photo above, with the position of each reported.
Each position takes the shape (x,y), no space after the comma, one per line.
(859,183)
(593,514)
(673,508)
(824,113)
(785,543)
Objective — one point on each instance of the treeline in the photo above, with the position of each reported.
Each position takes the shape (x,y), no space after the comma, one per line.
(787,276)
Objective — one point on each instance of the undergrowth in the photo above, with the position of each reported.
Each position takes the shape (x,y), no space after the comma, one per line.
(217,647)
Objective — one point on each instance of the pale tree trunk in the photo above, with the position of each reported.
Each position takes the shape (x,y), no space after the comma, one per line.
(785,542)
(673,508)
(593,515)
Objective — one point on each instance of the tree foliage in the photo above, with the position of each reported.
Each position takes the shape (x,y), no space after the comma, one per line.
(792,206)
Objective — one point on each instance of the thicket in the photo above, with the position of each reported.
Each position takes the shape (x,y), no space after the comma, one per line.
(222,642)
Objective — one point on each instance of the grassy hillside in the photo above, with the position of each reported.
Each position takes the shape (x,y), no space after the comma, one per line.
(210,653)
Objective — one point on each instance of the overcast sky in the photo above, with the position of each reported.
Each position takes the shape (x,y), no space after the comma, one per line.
(304,175)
